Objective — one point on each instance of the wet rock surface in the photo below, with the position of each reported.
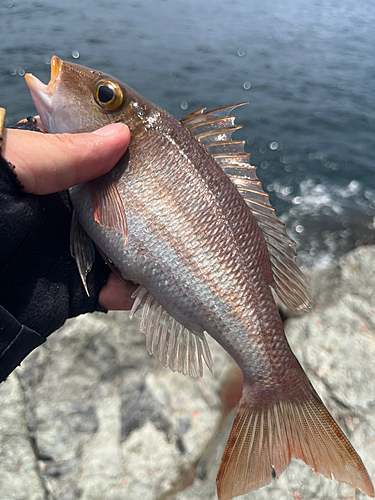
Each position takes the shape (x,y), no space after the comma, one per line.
(90,415)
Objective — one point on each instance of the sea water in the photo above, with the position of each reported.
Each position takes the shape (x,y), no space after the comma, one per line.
(307,68)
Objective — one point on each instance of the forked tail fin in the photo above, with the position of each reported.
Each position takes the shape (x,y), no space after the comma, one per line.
(265,438)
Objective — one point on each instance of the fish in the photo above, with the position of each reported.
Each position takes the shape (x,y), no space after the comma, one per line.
(184,216)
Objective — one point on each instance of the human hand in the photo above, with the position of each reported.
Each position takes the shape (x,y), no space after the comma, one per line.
(46,163)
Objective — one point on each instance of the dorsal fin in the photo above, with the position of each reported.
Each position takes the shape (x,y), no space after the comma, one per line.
(214,129)
(170,342)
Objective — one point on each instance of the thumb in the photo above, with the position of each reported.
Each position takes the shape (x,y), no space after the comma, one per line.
(46,163)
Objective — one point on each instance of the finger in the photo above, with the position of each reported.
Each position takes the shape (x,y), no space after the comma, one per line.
(116,295)
(46,163)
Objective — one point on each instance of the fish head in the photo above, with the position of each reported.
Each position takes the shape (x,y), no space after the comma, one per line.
(79,99)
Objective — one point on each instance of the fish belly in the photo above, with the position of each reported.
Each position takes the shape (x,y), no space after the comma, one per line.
(180,245)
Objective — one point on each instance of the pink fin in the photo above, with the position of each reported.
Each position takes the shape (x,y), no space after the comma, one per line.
(214,129)
(267,437)
(169,341)
(200,116)
(107,206)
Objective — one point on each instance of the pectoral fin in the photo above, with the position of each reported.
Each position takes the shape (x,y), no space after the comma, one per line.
(107,206)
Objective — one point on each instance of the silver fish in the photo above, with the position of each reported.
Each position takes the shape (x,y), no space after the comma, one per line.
(184,215)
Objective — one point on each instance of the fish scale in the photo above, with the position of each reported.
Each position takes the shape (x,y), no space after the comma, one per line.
(174,221)
(184,215)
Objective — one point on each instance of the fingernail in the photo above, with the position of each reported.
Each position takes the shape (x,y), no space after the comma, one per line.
(114,128)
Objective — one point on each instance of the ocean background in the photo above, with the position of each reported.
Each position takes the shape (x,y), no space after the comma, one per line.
(307,68)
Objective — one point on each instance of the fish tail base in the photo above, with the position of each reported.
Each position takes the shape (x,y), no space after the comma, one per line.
(265,438)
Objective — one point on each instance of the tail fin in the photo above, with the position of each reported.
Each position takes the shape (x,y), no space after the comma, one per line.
(262,438)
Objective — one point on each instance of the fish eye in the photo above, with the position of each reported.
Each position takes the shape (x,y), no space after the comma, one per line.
(108,95)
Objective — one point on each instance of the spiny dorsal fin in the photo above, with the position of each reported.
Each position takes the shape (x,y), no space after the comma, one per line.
(170,342)
(214,129)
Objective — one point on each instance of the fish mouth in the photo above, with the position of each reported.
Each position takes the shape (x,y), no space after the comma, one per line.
(42,94)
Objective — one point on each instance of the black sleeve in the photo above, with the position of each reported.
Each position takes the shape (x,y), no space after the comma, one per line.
(40,286)
(16,342)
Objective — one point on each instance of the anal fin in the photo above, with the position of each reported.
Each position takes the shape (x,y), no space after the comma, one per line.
(170,342)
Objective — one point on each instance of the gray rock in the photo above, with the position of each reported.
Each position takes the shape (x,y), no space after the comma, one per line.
(19,478)
(107,421)
(90,415)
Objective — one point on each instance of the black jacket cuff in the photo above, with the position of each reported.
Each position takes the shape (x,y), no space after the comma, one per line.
(16,342)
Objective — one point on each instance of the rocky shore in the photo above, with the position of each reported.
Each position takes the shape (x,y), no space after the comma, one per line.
(91,416)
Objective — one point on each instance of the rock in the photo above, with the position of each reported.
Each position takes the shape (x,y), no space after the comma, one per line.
(19,478)
(90,415)
(107,420)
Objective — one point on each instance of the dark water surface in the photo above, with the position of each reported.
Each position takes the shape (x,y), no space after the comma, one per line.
(307,67)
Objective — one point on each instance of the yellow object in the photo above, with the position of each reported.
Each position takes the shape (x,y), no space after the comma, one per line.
(2,121)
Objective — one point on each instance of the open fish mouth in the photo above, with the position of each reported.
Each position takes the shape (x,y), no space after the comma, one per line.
(42,94)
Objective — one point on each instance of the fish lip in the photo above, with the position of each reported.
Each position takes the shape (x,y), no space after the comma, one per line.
(56,65)
(42,94)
